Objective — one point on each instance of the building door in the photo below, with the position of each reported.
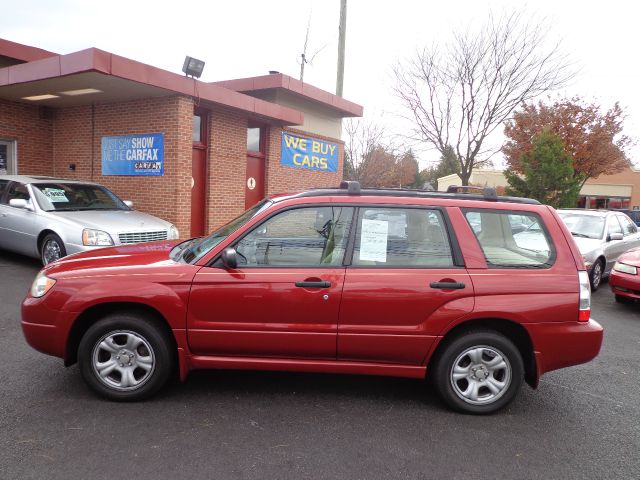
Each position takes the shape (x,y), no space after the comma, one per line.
(7,158)
(254,187)
(199,173)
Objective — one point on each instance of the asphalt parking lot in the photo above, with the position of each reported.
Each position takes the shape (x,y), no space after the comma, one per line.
(582,422)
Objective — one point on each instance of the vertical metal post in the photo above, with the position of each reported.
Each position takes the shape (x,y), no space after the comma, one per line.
(341,41)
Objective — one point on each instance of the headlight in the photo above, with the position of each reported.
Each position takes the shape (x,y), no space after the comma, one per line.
(624,268)
(587,263)
(173,233)
(41,285)
(96,237)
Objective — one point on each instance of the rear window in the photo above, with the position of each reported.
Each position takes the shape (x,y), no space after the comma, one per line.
(511,239)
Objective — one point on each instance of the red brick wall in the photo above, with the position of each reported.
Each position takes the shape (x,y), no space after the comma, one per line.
(32,128)
(281,178)
(227,163)
(169,196)
(50,146)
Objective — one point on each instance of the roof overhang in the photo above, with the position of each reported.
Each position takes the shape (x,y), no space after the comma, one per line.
(22,53)
(342,107)
(119,79)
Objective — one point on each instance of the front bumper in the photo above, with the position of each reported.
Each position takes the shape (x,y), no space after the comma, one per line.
(563,344)
(625,284)
(45,329)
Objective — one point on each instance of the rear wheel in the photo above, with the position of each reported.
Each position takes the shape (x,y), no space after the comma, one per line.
(125,357)
(478,372)
(595,276)
(52,249)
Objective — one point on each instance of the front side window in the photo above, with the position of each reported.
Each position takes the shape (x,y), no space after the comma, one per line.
(402,237)
(3,186)
(17,191)
(309,236)
(614,226)
(527,246)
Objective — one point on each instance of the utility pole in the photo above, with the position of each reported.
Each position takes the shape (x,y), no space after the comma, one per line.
(342,29)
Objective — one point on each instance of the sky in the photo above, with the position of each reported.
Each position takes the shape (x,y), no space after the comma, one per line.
(241,38)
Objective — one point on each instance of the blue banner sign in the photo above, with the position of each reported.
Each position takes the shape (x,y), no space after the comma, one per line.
(133,155)
(309,153)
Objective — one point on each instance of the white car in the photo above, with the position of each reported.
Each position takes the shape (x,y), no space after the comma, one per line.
(50,218)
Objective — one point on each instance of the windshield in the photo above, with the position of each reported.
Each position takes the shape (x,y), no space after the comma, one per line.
(56,197)
(196,248)
(585,226)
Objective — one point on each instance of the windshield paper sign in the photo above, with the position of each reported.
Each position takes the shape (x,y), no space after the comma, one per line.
(133,155)
(309,153)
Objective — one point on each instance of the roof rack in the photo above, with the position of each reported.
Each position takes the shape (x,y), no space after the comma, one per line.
(489,193)
(352,187)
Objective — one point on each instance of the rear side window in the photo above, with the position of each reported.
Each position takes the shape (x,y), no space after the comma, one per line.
(511,239)
(627,225)
(402,237)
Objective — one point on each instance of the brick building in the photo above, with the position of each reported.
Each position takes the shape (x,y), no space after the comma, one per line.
(81,115)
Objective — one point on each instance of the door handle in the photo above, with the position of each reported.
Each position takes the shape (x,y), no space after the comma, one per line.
(447,285)
(313,284)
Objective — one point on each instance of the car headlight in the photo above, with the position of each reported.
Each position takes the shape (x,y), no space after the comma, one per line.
(41,285)
(96,237)
(624,268)
(173,233)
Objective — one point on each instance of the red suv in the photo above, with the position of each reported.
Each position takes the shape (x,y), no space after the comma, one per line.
(379,282)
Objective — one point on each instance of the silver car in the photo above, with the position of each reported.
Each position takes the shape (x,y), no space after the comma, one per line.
(602,236)
(49,218)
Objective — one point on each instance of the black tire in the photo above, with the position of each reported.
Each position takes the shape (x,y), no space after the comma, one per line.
(595,276)
(52,249)
(453,353)
(623,299)
(149,362)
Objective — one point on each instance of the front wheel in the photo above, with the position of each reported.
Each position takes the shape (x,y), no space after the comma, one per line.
(125,357)
(596,275)
(52,249)
(478,372)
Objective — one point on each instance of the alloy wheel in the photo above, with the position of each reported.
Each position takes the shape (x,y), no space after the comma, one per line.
(123,360)
(51,252)
(480,375)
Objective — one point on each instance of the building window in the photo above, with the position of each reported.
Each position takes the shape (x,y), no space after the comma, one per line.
(599,202)
(254,139)
(197,128)
(199,132)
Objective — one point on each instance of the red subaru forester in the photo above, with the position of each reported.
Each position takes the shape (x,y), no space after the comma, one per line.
(479,291)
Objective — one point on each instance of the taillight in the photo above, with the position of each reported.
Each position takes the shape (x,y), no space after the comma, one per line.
(585,296)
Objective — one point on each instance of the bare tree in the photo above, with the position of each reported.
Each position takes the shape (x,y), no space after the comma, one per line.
(362,139)
(457,94)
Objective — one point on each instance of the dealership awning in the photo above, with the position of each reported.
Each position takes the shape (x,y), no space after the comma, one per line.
(95,76)
(608,190)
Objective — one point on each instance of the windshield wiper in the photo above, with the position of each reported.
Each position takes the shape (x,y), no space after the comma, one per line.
(581,235)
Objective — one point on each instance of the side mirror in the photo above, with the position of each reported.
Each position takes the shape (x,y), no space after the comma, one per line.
(614,236)
(230,258)
(19,203)
(128,203)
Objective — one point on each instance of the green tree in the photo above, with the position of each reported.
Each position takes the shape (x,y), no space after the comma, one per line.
(447,165)
(547,173)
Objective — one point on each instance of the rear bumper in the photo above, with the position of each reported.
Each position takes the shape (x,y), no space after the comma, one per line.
(559,345)
(625,284)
